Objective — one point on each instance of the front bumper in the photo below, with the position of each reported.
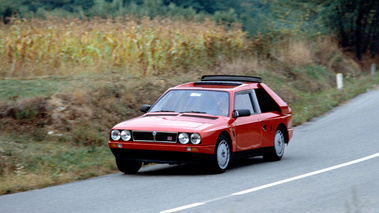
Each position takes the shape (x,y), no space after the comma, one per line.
(153,156)
(161,152)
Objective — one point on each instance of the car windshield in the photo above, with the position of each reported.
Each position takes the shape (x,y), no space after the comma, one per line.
(194,101)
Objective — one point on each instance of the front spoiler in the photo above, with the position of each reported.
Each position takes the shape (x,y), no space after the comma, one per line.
(154,156)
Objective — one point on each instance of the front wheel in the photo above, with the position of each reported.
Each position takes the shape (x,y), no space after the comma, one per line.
(128,166)
(276,153)
(221,157)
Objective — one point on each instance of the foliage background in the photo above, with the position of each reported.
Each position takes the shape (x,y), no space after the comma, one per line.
(355,24)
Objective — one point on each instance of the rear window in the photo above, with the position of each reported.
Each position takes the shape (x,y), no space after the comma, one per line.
(266,103)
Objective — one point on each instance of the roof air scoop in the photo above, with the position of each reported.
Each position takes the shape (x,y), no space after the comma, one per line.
(239,78)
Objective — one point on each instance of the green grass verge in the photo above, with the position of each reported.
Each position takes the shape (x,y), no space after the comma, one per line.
(16,89)
(311,105)
(40,164)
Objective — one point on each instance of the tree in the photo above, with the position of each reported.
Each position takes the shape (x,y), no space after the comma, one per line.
(356,23)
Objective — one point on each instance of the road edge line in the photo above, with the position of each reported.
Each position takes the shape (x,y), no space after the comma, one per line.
(307,174)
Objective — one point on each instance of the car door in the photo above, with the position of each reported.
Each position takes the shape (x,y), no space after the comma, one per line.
(248,130)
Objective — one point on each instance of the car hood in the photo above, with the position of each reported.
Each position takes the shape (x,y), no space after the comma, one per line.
(171,122)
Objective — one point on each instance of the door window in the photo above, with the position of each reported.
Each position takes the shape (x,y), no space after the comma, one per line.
(243,101)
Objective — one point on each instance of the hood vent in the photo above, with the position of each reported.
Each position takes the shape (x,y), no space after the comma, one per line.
(152,115)
(200,116)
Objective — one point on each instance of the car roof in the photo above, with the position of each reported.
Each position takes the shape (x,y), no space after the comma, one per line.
(223,82)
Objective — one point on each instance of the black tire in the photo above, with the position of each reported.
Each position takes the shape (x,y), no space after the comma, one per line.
(221,156)
(276,153)
(128,166)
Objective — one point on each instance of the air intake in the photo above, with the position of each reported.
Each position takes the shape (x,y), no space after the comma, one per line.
(239,78)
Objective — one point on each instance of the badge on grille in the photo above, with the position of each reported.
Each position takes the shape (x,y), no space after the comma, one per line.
(169,138)
(154,133)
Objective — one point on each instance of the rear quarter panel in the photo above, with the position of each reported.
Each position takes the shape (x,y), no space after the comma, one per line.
(272,120)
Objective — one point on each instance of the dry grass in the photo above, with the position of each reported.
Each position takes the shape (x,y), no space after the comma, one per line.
(56,46)
(242,65)
(293,52)
(328,47)
(145,47)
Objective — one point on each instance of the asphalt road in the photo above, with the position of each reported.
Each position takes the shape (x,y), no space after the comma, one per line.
(331,165)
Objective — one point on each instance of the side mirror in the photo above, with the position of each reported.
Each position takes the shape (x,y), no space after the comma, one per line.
(145,108)
(241,113)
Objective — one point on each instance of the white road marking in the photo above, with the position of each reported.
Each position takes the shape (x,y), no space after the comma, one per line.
(275,183)
(307,175)
(182,207)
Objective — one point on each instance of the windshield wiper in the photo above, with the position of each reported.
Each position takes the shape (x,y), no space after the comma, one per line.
(193,112)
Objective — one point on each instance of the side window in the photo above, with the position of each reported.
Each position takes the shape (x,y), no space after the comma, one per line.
(266,103)
(243,101)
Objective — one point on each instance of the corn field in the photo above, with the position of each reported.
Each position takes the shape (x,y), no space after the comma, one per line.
(48,47)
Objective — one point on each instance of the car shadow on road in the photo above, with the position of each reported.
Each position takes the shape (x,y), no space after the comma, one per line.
(195,169)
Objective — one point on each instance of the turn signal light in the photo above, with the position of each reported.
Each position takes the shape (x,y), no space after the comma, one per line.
(116,145)
(192,149)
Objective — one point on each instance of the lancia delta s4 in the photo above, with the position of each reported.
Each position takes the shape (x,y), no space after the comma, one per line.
(212,121)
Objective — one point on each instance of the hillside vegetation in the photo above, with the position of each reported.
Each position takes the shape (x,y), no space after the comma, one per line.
(54,47)
(65,82)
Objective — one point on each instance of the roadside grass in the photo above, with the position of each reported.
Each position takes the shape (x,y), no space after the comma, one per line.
(16,89)
(27,165)
(311,105)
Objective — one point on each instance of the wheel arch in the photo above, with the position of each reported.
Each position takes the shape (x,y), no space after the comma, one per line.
(283,127)
(227,135)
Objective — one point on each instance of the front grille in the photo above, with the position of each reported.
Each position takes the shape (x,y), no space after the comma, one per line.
(143,136)
(149,136)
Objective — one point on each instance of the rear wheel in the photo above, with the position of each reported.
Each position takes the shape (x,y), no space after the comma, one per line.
(221,156)
(276,153)
(128,166)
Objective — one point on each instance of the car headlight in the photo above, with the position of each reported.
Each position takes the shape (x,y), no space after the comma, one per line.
(183,138)
(195,138)
(115,135)
(126,135)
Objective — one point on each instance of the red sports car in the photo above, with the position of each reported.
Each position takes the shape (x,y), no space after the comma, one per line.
(212,121)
